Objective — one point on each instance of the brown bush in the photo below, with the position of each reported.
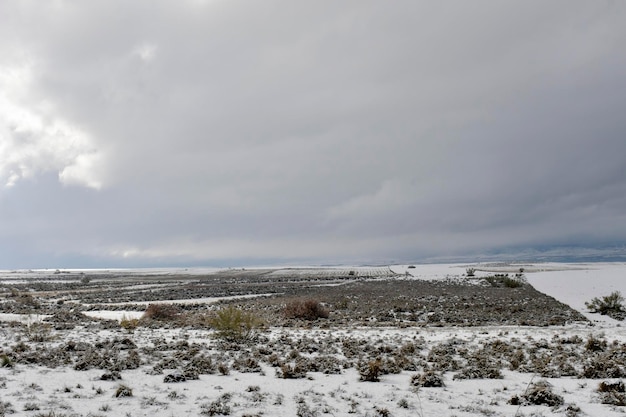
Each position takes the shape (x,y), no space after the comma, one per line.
(606,386)
(306,309)
(613,393)
(371,371)
(161,312)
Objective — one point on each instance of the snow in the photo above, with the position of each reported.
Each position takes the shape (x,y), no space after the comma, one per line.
(580,283)
(66,391)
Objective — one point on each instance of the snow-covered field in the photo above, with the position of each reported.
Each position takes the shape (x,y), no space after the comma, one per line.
(256,388)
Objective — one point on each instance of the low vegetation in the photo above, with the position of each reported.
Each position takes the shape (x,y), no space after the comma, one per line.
(503,280)
(305,309)
(611,305)
(234,324)
(161,312)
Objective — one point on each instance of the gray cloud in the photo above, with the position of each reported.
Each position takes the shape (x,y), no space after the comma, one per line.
(158,132)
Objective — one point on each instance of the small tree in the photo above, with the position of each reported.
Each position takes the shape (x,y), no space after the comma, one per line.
(611,305)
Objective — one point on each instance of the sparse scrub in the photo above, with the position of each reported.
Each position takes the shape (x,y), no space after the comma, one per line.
(235,325)
(305,309)
(611,305)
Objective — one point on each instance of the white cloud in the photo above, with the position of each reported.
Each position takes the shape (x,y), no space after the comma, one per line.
(35,140)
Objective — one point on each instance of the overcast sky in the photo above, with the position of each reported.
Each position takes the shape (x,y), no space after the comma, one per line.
(226,132)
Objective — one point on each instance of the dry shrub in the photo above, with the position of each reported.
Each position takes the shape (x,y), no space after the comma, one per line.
(161,312)
(603,366)
(428,379)
(611,305)
(290,371)
(479,372)
(481,365)
(371,371)
(594,344)
(129,324)
(5,361)
(539,393)
(503,280)
(306,309)
(123,391)
(613,393)
(606,386)
(219,407)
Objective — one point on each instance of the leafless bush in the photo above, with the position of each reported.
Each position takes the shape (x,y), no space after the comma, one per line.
(306,309)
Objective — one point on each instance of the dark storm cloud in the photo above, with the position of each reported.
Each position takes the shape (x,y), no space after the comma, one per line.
(320,131)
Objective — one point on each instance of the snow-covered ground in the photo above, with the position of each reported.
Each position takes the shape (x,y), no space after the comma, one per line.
(62,391)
